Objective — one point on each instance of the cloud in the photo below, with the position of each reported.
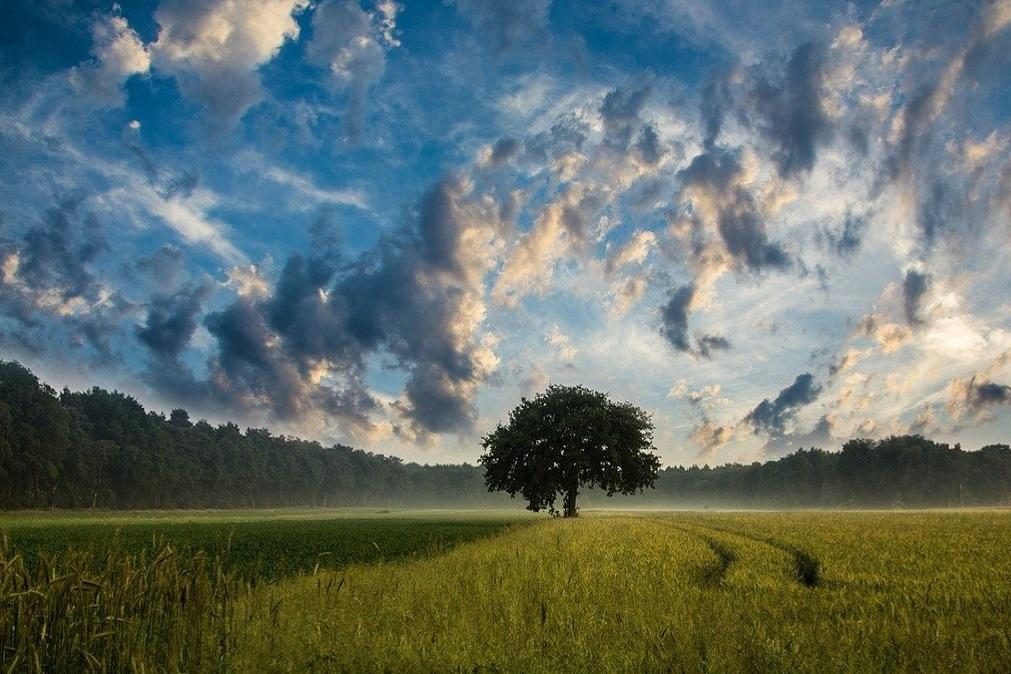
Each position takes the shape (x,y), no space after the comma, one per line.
(975,397)
(674,318)
(164,265)
(931,193)
(709,437)
(172,319)
(891,336)
(188,216)
(706,344)
(351,44)
(507,26)
(791,115)
(715,187)
(619,113)
(562,229)
(674,326)
(914,286)
(634,252)
(51,272)
(248,281)
(625,293)
(118,54)
(302,346)
(771,416)
(214,49)
(501,152)
(305,193)
(846,242)
(560,341)
(820,436)
(533,381)
(846,361)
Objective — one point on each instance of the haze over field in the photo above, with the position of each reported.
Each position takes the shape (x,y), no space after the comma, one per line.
(381,223)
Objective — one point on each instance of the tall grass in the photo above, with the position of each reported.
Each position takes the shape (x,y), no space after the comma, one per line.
(83,612)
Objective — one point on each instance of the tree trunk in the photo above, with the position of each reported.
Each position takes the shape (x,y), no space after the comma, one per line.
(569,508)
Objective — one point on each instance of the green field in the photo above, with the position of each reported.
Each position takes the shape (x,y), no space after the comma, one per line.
(681,592)
(254,544)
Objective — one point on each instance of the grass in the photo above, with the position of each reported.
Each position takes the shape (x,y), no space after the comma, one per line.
(682,592)
(258,545)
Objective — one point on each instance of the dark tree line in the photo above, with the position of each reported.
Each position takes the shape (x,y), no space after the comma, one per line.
(102,449)
(907,471)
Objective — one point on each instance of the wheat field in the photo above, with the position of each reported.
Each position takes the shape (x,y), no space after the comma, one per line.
(616,592)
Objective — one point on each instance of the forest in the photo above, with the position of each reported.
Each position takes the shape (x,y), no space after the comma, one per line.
(102,449)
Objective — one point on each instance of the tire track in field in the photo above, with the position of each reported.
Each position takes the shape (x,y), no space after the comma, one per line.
(715,573)
(805,566)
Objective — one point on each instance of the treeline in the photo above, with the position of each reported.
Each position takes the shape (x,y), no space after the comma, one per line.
(897,472)
(102,449)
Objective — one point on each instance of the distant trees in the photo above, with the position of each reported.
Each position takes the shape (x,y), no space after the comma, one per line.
(907,471)
(566,438)
(98,448)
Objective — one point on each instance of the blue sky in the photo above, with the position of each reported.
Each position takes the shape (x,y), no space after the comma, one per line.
(382,223)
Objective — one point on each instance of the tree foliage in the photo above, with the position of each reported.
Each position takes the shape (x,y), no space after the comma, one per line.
(566,438)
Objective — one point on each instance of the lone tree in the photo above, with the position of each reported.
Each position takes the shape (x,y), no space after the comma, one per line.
(565,438)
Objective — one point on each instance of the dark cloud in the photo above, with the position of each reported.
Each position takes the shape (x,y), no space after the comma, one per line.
(146,162)
(648,147)
(847,241)
(674,318)
(172,319)
(716,100)
(820,436)
(503,150)
(706,344)
(787,112)
(49,273)
(974,398)
(716,176)
(771,416)
(790,114)
(913,288)
(351,44)
(989,393)
(57,253)
(674,326)
(304,347)
(619,112)
(247,370)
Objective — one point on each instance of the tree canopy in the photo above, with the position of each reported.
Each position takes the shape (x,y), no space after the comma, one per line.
(569,437)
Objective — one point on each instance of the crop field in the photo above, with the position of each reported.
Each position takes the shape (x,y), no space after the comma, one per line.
(679,592)
(254,545)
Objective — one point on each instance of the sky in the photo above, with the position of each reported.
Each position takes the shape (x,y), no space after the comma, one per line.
(382,223)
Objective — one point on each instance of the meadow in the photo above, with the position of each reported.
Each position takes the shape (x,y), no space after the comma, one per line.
(609,591)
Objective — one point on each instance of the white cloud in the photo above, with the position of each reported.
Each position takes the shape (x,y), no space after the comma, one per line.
(118,53)
(560,341)
(214,48)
